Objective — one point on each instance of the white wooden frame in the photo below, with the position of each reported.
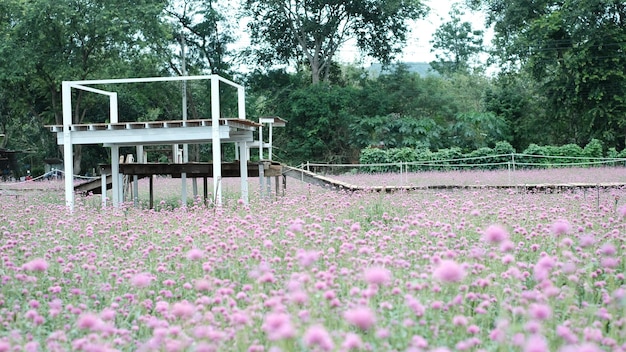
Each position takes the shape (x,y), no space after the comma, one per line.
(69,130)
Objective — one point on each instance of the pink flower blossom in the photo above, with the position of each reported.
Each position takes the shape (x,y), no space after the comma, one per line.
(495,234)
(278,326)
(307,258)
(202,285)
(195,254)
(88,321)
(540,311)
(377,276)
(449,271)
(141,280)
(317,335)
(561,227)
(608,250)
(183,310)
(536,343)
(37,264)
(352,341)
(361,317)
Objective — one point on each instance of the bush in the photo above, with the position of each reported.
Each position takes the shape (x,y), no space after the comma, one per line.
(593,149)
(534,156)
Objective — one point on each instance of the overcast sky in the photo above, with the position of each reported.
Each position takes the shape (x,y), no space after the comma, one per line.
(418,44)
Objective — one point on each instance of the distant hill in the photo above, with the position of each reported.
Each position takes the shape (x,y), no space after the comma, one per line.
(422,68)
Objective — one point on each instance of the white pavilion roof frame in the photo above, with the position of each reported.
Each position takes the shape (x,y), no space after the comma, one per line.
(65,135)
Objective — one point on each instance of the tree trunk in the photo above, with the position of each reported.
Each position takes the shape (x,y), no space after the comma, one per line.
(315,72)
(78,157)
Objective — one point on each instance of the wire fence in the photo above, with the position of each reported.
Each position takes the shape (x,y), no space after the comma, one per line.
(500,169)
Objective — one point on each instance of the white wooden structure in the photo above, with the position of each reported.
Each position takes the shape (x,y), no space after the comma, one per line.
(115,134)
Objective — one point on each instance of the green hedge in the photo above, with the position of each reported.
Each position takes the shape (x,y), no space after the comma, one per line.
(501,156)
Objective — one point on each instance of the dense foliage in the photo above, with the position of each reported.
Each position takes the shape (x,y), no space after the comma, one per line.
(501,156)
(561,80)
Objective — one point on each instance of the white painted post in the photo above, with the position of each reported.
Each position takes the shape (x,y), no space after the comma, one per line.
(241,98)
(115,174)
(260,142)
(270,146)
(68,147)
(243,166)
(215,129)
(113,113)
(103,188)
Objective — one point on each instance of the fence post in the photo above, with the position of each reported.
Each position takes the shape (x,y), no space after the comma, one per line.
(509,167)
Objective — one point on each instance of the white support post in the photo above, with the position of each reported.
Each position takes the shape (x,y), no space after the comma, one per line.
(217,151)
(140,160)
(260,142)
(243,166)
(103,188)
(269,148)
(68,147)
(241,98)
(114,114)
(115,175)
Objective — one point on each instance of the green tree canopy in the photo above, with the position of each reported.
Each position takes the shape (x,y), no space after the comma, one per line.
(576,51)
(455,43)
(313,31)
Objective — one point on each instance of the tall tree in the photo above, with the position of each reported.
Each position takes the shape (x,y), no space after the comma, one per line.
(455,43)
(206,33)
(313,30)
(575,50)
(45,42)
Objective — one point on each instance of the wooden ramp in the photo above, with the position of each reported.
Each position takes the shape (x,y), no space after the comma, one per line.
(319,180)
(93,186)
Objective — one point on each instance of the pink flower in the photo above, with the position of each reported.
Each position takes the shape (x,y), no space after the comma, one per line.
(296,226)
(540,311)
(88,321)
(141,280)
(307,258)
(184,310)
(377,276)
(608,249)
(195,254)
(278,326)
(37,264)
(5,346)
(352,341)
(536,343)
(316,335)
(586,241)
(495,234)
(561,227)
(107,314)
(459,320)
(361,317)
(449,271)
(622,210)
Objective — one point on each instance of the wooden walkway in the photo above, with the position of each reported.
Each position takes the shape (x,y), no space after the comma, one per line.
(319,180)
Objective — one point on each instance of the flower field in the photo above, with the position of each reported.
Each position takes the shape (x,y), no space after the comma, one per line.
(317,270)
